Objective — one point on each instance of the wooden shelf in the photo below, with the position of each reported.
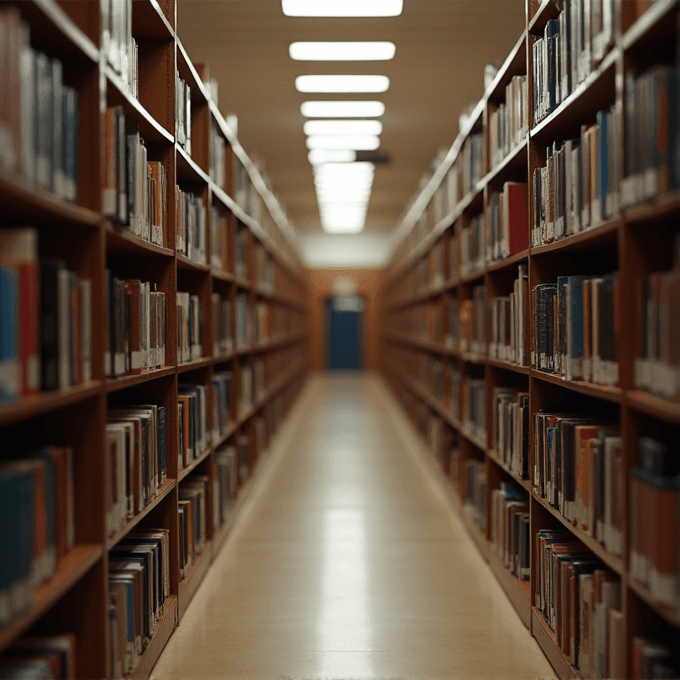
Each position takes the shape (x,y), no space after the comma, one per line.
(44,402)
(524,483)
(150,23)
(189,586)
(670,614)
(515,62)
(24,200)
(506,365)
(227,277)
(186,471)
(189,74)
(547,642)
(188,170)
(473,438)
(161,494)
(659,12)
(614,394)
(125,381)
(119,95)
(546,11)
(120,241)
(588,238)
(162,632)
(231,429)
(518,591)
(185,264)
(515,159)
(660,207)
(654,406)
(512,261)
(70,569)
(614,562)
(203,362)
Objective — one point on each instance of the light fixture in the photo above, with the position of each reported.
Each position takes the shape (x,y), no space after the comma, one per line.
(342,83)
(343,127)
(356,142)
(342,51)
(321,109)
(342,227)
(342,8)
(319,156)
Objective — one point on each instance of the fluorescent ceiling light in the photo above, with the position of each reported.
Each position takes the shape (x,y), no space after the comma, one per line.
(319,156)
(356,142)
(320,109)
(342,8)
(342,83)
(343,127)
(342,227)
(342,51)
(342,169)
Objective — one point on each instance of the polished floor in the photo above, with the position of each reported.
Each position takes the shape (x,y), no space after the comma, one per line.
(348,563)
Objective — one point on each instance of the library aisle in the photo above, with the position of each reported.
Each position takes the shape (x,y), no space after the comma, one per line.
(348,562)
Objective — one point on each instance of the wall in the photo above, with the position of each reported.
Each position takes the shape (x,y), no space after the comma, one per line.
(320,282)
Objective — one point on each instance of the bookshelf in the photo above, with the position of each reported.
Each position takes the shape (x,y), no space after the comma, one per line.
(240,254)
(444,336)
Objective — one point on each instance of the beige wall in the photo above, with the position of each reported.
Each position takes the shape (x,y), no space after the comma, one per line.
(320,283)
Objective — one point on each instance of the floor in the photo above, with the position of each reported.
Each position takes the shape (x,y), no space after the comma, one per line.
(348,563)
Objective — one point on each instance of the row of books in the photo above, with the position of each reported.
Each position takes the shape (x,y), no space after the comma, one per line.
(252,381)
(182,113)
(508,322)
(193,520)
(651,134)
(191,220)
(223,412)
(134,190)
(225,483)
(40,116)
(264,268)
(475,503)
(510,529)
(652,659)
(510,433)
(46,313)
(119,44)
(576,327)
(252,322)
(472,323)
(577,188)
(135,341)
(136,447)
(223,342)
(37,523)
(581,602)
(218,158)
(139,585)
(658,367)
(569,49)
(655,521)
(219,239)
(193,406)
(50,657)
(241,252)
(189,327)
(472,250)
(471,162)
(473,406)
(578,469)
(507,222)
(509,123)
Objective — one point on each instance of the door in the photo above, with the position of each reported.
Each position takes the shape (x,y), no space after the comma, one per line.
(343,314)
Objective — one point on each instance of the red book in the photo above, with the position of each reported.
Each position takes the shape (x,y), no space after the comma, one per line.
(515,217)
(19,249)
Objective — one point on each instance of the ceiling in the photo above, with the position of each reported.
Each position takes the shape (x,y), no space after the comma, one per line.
(442,48)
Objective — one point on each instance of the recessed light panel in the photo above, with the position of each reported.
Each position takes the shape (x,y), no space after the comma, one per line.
(342,8)
(320,109)
(342,83)
(342,51)
(356,142)
(343,127)
(319,156)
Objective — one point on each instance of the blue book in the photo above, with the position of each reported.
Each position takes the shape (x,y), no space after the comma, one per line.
(17,538)
(602,176)
(574,321)
(70,121)
(552,29)
(10,366)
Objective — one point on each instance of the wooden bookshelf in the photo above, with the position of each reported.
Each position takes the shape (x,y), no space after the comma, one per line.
(75,598)
(417,357)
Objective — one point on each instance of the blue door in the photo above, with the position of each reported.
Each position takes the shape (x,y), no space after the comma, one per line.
(343,316)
